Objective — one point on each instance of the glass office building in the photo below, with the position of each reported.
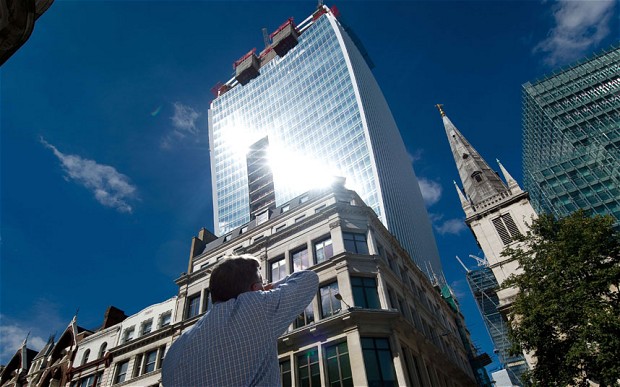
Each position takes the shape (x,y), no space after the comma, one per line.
(571,138)
(312,97)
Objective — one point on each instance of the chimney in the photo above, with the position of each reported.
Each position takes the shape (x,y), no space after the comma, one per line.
(113,316)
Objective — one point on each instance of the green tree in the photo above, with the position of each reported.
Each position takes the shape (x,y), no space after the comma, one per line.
(568,308)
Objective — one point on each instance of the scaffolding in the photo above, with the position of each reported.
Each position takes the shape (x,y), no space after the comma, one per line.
(484,287)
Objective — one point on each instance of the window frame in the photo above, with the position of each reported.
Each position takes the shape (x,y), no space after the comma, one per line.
(338,356)
(301,266)
(119,369)
(323,249)
(281,260)
(312,364)
(189,305)
(332,300)
(349,237)
(365,288)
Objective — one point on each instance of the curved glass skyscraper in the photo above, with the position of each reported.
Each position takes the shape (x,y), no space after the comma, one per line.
(312,98)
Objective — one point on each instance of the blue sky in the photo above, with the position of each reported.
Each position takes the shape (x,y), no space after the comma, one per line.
(105,172)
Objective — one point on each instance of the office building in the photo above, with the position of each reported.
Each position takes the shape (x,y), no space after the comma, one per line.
(571,138)
(310,103)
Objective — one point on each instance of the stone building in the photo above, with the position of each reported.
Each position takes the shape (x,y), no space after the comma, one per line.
(495,212)
(140,345)
(376,317)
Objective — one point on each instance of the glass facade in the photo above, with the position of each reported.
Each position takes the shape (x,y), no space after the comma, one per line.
(323,115)
(571,138)
(484,286)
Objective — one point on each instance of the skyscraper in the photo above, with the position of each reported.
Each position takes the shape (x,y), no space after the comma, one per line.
(311,96)
(571,138)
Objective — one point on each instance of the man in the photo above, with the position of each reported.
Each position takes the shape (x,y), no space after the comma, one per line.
(235,342)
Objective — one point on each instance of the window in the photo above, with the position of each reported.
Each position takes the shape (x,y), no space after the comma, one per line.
(365,292)
(193,306)
(506,228)
(306,317)
(102,349)
(121,371)
(323,250)
(329,304)
(164,319)
(128,334)
(338,366)
(150,361)
(227,238)
(89,381)
(303,199)
(355,243)
(299,218)
(277,269)
(286,208)
(285,373)
(308,369)
(380,251)
(378,362)
(146,327)
(477,175)
(262,218)
(85,357)
(319,208)
(244,229)
(137,368)
(300,260)
(162,353)
(279,228)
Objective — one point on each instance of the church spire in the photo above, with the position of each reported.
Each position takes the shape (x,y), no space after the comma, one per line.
(513,186)
(480,182)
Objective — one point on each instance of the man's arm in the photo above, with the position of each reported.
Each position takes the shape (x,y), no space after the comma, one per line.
(289,297)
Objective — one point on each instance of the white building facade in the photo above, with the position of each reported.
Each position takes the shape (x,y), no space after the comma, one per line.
(388,325)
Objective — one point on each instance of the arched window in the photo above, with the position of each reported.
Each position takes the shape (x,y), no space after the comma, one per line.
(102,349)
(85,356)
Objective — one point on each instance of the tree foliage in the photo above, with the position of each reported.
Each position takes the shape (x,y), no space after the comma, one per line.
(567,312)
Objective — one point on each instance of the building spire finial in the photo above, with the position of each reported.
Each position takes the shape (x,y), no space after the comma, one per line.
(440,107)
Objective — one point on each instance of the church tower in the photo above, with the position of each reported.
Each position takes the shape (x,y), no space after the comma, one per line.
(496,210)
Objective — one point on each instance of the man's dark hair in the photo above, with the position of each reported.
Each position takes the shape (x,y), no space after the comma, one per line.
(232,276)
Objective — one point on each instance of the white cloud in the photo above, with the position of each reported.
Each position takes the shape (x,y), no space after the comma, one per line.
(579,26)
(451,226)
(415,156)
(111,188)
(431,191)
(183,125)
(44,319)
(12,337)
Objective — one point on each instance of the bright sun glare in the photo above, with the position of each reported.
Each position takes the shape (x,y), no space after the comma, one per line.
(298,172)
